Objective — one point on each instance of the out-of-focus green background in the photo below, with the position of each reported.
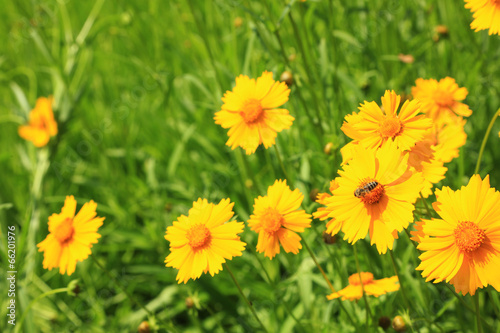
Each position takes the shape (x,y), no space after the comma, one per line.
(136,85)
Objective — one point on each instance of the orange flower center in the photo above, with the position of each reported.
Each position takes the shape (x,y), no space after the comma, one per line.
(366,278)
(251,111)
(443,98)
(468,236)
(369,191)
(272,220)
(65,231)
(198,236)
(390,127)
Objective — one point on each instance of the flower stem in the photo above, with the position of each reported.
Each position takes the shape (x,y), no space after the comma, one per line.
(244,297)
(426,205)
(282,165)
(368,311)
(48,293)
(401,287)
(168,326)
(485,139)
(478,313)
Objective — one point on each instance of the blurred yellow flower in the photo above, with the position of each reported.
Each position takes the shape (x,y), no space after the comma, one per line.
(250,112)
(376,195)
(70,237)
(202,241)
(463,247)
(448,138)
(277,220)
(354,291)
(486,15)
(373,126)
(41,124)
(421,158)
(441,100)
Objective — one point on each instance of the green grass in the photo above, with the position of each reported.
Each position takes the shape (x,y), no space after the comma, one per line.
(136,85)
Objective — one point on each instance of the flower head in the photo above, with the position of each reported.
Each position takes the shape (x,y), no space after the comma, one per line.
(354,290)
(463,247)
(41,124)
(70,237)
(448,138)
(249,111)
(202,241)
(421,158)
(441,100)
(277,219)
(486,15)
(376,194)
(373,126)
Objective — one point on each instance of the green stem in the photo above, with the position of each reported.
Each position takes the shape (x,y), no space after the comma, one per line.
(48,293)
(478,313)
(426,205)
(244,297)
(133,300)
(401,286)
(485,139)
(368,311)
(282,165)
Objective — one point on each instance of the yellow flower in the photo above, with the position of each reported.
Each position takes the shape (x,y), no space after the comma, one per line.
(70,237)
(41,123)
(202,241)
(378,126)
(486,15)
(448,138)
(421,158)
(463,247)
(418,233)
(277,220)
(249,111)
(376,195)
(440,101)
(354,291)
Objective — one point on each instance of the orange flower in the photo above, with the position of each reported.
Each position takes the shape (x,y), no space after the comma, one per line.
(441,100)
(249,111)
(41,125)
(354,291)
(277,220)
(202,241)
(486,15)
(463,247)
(70,237)
(378,126)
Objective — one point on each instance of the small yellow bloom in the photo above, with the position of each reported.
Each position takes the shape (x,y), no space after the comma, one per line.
(41,125)
(422,159)
(70,237)
(486,15)
(354,291)
(250,113)
(277,220)
(463,247)
(202,241)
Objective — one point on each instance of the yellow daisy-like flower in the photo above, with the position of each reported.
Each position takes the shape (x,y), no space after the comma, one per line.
(70,237)
(441,100)
(463,247)
(250,112)
(354,291)
(379,125)
(202,241)
(277,219)
(448,138)
(322,213)
(41,124)
(421,157)
(486,15)
(376,195)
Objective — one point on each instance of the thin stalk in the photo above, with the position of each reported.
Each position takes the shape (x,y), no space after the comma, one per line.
(478,313)
(244,297)
(282,165)
(133,300)
(485,139)
(368,311)
(48,293)
(426,206)
(401,286)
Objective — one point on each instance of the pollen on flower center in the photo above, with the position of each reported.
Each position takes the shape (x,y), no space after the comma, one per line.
(65,231)
(271,220)
(366,278)
(468,236)
(390,127)
(369,191)
(198,236)
(251,111)
(443,98)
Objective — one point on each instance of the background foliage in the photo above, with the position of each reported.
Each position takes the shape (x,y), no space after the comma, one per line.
(136,85)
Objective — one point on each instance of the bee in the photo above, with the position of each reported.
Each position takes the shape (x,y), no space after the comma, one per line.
(362,191)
